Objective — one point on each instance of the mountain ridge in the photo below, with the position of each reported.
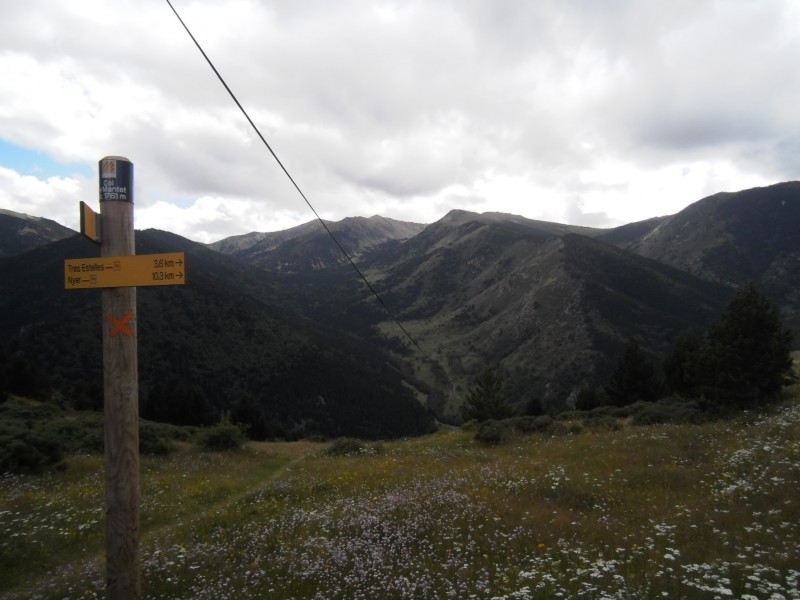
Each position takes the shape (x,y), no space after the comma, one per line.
(20,232)
(465,282)
(281,251)
(549,306)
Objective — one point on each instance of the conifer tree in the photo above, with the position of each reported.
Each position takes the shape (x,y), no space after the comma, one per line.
(590,397)
(485,400)
(178,402)
(748,352)
(249,414)
(683,364)
(634,378)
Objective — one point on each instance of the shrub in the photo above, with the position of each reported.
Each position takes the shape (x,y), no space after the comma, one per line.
(346,447)
(612,412)
(602,423)
(493,433)
(575,427)
(27,452)
(471,425)
(74,435)
(154,440)
(530,424)
(674,409)
(221,437)
(29,437)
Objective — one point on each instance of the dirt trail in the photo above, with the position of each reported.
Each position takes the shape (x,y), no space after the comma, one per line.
(153,534)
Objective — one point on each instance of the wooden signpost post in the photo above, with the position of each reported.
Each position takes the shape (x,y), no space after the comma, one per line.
(117,272)
(120,386)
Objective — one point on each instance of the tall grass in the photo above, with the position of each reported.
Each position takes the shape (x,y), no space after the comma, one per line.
(689,511)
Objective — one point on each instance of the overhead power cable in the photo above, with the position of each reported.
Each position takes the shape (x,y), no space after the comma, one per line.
(294,183)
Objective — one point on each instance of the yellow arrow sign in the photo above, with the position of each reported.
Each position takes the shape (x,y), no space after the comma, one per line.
(125,271)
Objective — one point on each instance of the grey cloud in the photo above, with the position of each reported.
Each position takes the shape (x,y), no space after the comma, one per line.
(575,214)
(455,90)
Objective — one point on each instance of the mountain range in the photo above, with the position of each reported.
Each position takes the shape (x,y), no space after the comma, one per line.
(284,320)
(19,233)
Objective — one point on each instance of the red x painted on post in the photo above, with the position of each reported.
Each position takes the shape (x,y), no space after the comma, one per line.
(121,325)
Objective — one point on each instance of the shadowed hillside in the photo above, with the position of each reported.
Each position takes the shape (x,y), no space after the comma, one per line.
(734,238)
(219,333)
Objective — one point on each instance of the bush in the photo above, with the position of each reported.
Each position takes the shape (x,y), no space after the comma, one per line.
(221,437)
(674,410)
(29,437)
(493,433)
(602,423)
(471,425)
(575,427)
(153,440)
(611,412)
(27,452)
(158,439)
(35,435)
(530,424)
(77,435)
(346,447)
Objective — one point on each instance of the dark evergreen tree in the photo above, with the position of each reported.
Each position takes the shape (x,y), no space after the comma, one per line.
(26,378)
(177,402)
(590,397)
(249,414)
(86,395)
(683,365)
(634,378)
(748,352)
(535,407)
(485,400)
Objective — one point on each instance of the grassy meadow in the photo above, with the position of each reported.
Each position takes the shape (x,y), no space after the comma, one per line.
(663,511)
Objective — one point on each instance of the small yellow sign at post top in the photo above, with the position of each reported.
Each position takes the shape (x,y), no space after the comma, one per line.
(125,271)
(89,222)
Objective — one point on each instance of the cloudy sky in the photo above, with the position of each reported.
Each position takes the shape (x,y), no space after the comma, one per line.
(577,111)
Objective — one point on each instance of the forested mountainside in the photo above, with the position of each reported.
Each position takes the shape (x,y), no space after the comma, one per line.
(216,344)
(281,321)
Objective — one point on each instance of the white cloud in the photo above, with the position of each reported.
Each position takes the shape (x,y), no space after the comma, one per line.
(211,218)
(55,198)
(554,110)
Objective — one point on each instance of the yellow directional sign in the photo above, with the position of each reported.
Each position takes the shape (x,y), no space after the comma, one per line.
(89,222)
(125,271)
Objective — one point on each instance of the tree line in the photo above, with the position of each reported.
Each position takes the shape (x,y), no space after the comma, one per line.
(740,362)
